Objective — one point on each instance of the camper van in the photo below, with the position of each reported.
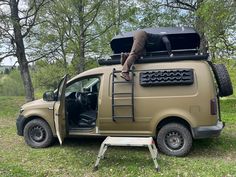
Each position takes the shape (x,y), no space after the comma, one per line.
(173,96)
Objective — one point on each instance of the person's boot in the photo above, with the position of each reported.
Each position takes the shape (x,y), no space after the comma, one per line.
(123,57)
(125,76)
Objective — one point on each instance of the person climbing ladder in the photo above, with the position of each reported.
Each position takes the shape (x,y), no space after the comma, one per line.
(140,40)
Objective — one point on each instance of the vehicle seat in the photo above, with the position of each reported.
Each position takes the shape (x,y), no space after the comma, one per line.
(88,118)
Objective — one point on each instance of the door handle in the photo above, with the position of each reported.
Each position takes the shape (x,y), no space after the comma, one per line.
(57,114)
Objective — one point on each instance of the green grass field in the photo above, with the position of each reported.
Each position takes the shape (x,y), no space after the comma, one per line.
(209,157)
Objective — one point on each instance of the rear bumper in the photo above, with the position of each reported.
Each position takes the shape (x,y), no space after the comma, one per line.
(20,122)
(208,131)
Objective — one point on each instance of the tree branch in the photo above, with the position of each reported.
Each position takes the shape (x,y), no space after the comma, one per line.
(187,5)
(97,35)
(98,5)
(7,55)
(44,55)
(177,4)
(7,31)
(34,15)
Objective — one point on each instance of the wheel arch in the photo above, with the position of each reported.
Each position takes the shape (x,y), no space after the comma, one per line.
(173,119)
(33,117)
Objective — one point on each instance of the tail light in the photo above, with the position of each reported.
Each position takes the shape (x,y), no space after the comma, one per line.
(213,106)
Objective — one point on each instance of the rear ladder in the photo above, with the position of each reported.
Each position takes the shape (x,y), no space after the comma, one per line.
(130,94)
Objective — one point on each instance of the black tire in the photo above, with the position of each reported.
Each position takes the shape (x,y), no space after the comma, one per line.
(174,139)
(38,134)
(223,80)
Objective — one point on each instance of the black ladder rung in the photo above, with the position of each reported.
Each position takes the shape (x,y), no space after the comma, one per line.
(122,105)
(123,117)
(117,82)
(122,93)
(119,71)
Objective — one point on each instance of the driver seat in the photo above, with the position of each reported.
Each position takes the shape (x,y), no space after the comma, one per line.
(88,118)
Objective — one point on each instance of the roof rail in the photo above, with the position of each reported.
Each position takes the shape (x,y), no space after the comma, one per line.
(155,59)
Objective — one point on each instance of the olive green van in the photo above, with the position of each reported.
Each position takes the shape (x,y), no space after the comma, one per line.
(172,98)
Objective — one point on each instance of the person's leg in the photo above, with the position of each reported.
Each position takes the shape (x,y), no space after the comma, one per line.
(123,57)
(137,50)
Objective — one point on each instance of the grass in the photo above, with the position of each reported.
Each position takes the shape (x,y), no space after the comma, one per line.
(209,157)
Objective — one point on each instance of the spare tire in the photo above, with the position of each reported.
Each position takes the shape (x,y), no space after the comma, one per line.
(223,80)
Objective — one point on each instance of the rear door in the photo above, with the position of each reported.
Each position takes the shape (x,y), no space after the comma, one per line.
(59,111)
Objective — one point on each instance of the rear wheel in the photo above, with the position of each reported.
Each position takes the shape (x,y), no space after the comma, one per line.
(38,134)
(174,139)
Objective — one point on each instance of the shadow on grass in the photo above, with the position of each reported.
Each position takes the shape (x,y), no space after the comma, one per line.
(93,143)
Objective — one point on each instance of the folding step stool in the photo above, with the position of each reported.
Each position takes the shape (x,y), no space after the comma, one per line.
(128,141)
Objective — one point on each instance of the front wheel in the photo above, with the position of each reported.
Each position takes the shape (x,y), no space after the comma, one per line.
(174,139)
(38,134)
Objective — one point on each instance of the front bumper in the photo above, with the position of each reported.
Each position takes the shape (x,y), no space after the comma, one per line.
(208,131)
(20,122)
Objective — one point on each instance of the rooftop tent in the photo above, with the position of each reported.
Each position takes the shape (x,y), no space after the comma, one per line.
(180,38)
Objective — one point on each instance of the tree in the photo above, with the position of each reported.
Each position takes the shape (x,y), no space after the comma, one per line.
(219,17)
(17,20)
(192,6)
(70,23)
(83,28)
(213,19)
(7,71)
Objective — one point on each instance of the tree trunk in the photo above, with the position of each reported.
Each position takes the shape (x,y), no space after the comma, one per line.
(118,18)
(199,24)
(20,52)
(63,54)
(81,62)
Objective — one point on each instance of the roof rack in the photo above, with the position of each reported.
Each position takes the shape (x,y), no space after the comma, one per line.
(160,56)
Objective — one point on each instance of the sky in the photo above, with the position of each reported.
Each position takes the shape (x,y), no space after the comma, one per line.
(8,61)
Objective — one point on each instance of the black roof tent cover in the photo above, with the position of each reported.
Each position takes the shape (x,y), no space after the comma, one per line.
(180,38)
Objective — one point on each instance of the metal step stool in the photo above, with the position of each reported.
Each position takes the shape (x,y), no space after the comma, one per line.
(128,141)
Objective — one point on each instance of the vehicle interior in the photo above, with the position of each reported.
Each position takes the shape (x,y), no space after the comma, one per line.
(82,103)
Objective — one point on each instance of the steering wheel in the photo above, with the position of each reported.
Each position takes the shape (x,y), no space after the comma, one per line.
(82,98)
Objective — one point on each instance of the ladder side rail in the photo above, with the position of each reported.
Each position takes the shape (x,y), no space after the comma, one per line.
(113,96)
(132,91)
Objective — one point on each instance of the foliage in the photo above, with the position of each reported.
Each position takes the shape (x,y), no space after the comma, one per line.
(219,18)
(11,84)
(155,14)
(213,19)
(47,75)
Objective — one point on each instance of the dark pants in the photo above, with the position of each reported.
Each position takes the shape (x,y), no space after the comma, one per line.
(138,49)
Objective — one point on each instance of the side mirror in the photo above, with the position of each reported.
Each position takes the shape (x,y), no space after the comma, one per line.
(49,96)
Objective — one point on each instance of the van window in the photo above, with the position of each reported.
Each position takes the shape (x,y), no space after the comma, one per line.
(84,85)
